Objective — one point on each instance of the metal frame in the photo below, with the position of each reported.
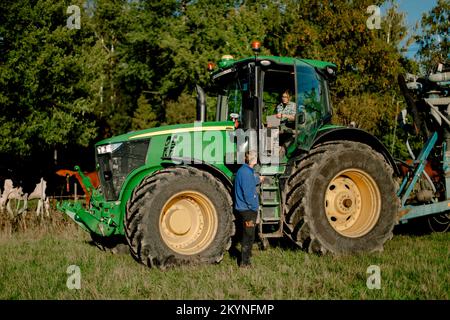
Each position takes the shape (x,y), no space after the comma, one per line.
(409,181)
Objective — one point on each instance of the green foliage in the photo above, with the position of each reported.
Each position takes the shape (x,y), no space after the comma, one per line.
(144,116)
(134,64)
(181,111)
(366,110)
(435,38)
(45,83)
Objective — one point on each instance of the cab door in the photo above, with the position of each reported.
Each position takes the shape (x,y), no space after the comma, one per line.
(312,106)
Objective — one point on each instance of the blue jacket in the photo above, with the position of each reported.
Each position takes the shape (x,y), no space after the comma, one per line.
(245,195)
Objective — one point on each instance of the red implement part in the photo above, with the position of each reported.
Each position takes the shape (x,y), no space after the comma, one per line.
(91,175)
(433,174)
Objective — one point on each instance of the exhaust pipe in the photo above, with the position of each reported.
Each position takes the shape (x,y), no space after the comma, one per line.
(201,104)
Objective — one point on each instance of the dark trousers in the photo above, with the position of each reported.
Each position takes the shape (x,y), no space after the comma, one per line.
(248,235)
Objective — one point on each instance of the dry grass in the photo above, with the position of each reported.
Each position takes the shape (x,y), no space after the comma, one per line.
(34,264)
(38,226)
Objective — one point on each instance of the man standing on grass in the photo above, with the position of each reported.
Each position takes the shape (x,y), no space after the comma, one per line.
(247,203)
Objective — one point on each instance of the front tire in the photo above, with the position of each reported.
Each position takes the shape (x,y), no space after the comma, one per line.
(179,215)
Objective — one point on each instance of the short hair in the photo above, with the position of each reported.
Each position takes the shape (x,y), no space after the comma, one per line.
(250,156)
(288,92)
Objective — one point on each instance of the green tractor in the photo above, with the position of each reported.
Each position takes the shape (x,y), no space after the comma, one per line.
(167,190)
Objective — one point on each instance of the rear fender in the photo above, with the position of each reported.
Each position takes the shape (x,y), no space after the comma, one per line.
(357,135)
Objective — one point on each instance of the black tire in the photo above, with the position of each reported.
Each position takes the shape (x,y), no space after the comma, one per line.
(144,231)
(439,223)
(295,185)
(306,189)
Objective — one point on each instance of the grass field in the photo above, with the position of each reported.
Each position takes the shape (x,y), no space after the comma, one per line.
(34,262)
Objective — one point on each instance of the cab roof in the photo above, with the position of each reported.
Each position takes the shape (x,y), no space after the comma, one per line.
(279,60)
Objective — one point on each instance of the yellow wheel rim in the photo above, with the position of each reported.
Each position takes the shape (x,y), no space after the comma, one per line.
(352,203)
(188,222)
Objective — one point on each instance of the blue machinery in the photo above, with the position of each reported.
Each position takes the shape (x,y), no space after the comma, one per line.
(410,180)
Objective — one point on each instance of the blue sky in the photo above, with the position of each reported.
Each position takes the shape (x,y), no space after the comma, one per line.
(414,10)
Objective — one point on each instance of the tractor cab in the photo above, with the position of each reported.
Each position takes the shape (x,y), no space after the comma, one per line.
(250,93)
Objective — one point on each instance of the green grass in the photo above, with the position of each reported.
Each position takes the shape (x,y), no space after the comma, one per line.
(33,266)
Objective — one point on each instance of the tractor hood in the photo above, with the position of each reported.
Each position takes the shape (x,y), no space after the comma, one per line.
(118,156)
(166,130)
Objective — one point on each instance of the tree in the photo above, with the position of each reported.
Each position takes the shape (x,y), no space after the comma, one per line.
(144,117)
(181,111)
(434,41)
(45,79)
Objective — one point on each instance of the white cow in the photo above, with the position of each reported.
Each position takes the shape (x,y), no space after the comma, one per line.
(39,193)
(10,193)
(8,186)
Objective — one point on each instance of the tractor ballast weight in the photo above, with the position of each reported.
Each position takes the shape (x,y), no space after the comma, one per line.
(333,188)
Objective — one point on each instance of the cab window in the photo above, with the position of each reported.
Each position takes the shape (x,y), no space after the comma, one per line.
(276,83)
(310,91)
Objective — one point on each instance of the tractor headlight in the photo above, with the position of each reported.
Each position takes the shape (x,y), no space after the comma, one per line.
(108,148)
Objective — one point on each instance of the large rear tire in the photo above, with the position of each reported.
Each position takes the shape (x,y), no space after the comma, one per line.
(179,215)
(341,198)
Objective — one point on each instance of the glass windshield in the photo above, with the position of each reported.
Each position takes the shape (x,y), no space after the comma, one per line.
(234,93)
(233,97)
(309,101)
